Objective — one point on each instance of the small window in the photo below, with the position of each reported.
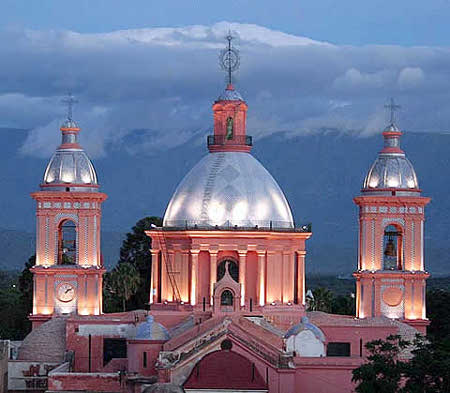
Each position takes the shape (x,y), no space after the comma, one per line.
(233,269)
(338,349)
(144,360)
(114,348)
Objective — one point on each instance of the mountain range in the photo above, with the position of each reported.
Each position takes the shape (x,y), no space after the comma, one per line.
(319,173)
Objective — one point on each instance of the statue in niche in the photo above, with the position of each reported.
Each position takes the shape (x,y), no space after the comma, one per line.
(229,134)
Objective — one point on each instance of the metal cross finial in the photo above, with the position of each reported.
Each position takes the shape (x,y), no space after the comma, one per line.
(392,106)
(69,100)
(229,58)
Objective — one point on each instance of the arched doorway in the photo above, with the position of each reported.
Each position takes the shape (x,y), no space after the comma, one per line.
(67,243)
(225,370)
(227,300)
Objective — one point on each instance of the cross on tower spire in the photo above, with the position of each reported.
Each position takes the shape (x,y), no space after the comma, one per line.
(69,101)
(229,58)
(392,106)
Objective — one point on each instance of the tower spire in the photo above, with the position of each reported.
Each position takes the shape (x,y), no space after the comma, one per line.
(69,101)
(229,59)
(392,107)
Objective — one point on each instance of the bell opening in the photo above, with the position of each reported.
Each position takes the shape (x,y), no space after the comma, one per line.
(392,248)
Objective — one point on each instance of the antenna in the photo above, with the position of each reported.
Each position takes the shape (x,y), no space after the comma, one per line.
(69,101)
(229,59)
(392,106)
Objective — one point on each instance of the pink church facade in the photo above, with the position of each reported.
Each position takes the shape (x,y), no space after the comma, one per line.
(227,293)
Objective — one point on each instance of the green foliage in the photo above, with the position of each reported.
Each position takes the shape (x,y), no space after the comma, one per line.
(428,371)
(344,305)
(136,251)
(322,300)
(122,282)
(325,300)
(16,302)
(383,371)
(438,311)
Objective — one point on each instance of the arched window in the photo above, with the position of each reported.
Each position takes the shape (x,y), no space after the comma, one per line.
(392,248)
(226,298)
(233,269)
(67,243)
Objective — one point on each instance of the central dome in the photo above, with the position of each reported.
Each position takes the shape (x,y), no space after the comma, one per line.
(228,189)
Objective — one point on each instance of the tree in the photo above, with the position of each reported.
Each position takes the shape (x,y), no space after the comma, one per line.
(16,303)
(123,282)
(427,371)
(322,300)
(383,370)
(438,311)
(136,251)
(344,305)
(26,283)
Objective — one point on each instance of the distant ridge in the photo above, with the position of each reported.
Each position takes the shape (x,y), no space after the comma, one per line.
(320,174)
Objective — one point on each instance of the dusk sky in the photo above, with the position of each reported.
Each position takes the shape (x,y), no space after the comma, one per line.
(153,65)
(146,75)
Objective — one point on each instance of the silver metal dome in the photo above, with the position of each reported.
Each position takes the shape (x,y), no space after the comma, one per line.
(228,189)
(391,169)
(70,166)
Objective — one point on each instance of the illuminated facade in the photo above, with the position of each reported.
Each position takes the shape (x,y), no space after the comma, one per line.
(68,271)
(229,209)
(391,272)
(227,292)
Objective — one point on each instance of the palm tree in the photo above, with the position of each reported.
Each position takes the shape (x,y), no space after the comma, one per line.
(322,300)
(124,281)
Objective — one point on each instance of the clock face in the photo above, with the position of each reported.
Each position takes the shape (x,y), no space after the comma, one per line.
(65,292)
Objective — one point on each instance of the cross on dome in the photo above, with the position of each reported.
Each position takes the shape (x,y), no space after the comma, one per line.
(229,58)
(392,106)
(69,101)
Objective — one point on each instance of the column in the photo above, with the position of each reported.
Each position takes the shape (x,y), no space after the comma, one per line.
(213,273)
(301,276)
(194,276)
(242,275)
(184,276)
(154,278)
(288,274)
(261,279)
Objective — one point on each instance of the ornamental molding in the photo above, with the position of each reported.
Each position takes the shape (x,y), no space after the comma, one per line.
(387,221)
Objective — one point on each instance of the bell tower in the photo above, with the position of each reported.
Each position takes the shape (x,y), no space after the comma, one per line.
(391,275)
(68,271)
(230,111)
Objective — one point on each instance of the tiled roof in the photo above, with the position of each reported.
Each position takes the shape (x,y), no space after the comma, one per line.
(323,319)
(47,343)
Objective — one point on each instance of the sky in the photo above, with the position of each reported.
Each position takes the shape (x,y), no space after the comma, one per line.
(354,22)
(306,67)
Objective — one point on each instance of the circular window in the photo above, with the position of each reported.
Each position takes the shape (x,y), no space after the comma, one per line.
(226,344)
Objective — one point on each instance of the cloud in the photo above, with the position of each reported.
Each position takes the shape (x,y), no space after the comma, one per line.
(161,82)
(410,77)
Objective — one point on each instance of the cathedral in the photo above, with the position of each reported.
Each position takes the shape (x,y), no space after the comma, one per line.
(227,293)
